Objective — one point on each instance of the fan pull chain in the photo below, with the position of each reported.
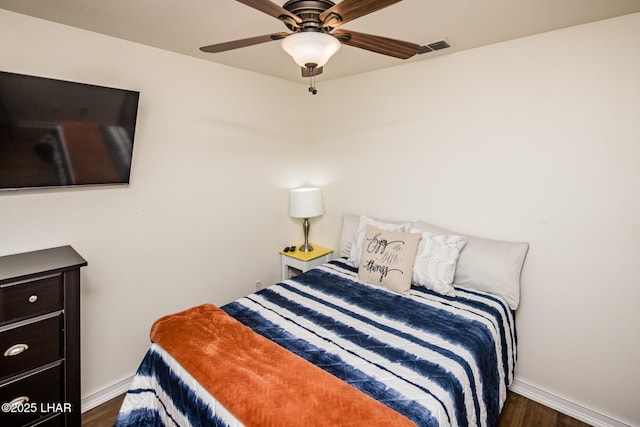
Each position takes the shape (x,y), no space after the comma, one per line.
(312,78)
(312,85)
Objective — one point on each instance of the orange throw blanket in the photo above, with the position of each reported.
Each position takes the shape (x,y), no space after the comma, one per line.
(260,382)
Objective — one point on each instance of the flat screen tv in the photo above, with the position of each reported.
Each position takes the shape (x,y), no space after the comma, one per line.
(56,133)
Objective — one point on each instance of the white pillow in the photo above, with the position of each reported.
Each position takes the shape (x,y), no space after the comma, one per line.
(356,247)
(348,235)
(488,265)
(436,259)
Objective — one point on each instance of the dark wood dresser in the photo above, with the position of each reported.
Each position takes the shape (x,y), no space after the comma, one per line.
(40,338)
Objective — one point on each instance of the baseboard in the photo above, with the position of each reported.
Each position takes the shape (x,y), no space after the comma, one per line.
(560,404)
(106,394)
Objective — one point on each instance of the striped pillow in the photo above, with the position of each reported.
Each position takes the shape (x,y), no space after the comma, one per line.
(436,261)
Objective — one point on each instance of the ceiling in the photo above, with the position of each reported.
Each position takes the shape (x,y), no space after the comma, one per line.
(184,25)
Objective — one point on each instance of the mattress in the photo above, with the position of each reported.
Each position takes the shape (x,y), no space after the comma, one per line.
(437,360)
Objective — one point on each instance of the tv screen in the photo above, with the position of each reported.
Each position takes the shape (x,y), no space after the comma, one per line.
(55,133)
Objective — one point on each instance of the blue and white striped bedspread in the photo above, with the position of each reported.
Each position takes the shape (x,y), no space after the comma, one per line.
(440,361)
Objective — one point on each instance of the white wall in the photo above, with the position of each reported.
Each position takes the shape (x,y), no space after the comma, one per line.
(535,140)
(207,207)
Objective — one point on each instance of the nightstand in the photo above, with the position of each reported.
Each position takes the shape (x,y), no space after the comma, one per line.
(297,262)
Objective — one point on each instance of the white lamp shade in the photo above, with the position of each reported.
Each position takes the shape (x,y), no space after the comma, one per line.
(310,48)
(305,203)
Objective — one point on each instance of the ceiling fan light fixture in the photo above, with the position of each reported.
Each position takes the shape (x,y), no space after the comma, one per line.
(309,47)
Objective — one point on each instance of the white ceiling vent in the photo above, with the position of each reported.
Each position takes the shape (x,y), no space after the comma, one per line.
(432,46)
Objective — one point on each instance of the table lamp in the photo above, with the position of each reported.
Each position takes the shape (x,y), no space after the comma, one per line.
(305,203)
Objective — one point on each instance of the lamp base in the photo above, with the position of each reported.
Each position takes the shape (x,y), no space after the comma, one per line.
(305,247)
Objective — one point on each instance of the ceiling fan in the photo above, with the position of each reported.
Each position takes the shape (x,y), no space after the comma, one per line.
(314,37)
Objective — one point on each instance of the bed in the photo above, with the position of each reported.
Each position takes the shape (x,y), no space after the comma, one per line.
(333,347)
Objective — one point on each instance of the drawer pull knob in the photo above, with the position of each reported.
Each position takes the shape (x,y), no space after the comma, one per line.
(33,298)
(15,403)
(15,350)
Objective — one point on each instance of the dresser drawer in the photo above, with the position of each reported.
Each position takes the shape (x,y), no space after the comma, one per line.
(27,299)
(29,345)
(42,389)
(54,421)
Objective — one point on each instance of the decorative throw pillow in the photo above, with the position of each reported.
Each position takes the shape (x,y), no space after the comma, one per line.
(356,247)
(387,258)
(436,261)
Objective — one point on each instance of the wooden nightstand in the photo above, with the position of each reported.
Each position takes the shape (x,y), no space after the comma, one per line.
(297,262)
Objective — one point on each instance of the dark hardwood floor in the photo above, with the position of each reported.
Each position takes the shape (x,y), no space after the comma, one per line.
(518,411)
(103,415)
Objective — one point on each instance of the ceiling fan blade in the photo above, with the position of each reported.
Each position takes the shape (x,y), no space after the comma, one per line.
(272,9)
(235,44)
(348,10)
(383,45)
(307,73)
